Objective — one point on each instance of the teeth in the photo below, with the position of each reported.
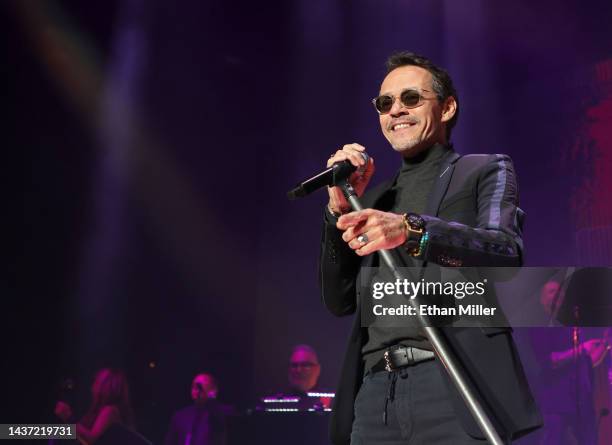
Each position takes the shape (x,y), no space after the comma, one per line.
(400,126)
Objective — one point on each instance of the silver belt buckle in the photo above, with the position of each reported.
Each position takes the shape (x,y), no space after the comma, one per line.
(388,365)
(410,356)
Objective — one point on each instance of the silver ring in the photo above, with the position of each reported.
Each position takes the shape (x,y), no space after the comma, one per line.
(363,239)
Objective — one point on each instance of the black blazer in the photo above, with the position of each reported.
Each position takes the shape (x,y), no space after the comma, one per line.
(473,219)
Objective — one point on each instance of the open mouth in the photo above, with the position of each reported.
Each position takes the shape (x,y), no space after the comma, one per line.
(402,126)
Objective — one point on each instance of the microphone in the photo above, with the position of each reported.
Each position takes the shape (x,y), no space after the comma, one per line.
(328,177)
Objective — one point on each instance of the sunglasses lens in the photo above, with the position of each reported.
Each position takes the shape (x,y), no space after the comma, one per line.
(410,98)
(383,104)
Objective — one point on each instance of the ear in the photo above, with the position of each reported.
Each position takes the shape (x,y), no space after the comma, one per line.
(449,108)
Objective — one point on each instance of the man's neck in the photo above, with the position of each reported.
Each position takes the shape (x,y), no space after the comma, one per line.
(419,150)
(433,152)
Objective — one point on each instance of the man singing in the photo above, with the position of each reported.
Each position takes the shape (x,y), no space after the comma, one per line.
(442,208)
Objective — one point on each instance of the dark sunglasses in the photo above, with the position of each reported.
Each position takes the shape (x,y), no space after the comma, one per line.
(306,365)
(410,98)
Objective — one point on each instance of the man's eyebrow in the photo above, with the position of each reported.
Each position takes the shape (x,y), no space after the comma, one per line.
(388,93)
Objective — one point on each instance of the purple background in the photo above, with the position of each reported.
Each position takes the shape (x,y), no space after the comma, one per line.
(154,144)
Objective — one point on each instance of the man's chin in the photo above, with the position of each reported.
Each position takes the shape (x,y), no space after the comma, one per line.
(408,148)
(302,388)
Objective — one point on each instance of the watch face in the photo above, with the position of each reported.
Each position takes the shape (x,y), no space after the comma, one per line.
(415,221)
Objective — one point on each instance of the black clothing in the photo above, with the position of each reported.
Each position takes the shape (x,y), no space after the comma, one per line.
(206,424)
(473,219)
(420,401)
(409,194)
(118,434)
(568,411)
(415,179)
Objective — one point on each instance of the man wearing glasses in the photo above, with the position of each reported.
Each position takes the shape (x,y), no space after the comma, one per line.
(441,208)
(304,370)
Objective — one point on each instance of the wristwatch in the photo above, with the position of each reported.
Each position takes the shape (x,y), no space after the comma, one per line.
(415,228)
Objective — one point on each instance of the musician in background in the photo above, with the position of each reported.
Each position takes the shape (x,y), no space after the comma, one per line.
(304,370)
(564,386)
(109,418)
(203,422)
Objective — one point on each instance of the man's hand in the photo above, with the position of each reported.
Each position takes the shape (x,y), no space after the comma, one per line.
(369,230)
(596,349)
(63,411)
(359,179)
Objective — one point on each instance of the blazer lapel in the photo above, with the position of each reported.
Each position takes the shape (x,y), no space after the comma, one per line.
(440,186)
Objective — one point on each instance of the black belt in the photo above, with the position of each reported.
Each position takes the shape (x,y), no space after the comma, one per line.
(398,356)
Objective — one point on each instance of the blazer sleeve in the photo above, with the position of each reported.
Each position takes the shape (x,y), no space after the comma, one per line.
(338,269)
(497,238)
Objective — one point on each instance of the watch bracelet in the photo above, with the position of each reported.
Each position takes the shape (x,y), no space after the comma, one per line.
(415,247)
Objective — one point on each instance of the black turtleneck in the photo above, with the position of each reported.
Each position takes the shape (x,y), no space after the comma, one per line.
(409,193)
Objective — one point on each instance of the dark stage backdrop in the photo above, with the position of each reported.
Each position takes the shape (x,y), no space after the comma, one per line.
(155,142)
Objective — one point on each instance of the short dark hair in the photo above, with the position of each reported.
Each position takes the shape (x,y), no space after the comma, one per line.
(442,83)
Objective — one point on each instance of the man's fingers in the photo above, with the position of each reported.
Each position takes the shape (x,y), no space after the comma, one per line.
(368,242)
(353,218)
(354,231)
(370,247)
(354,146)
(361,240)
(339,156)
(354,157)
(364,227)
(355,150)
(350,152)
(370,230)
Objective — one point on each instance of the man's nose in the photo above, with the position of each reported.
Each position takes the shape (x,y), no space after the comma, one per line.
(398,107)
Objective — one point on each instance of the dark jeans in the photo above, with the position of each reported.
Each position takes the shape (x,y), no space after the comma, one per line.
(418,411)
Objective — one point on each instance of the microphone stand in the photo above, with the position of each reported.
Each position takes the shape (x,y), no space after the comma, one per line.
(441,348)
